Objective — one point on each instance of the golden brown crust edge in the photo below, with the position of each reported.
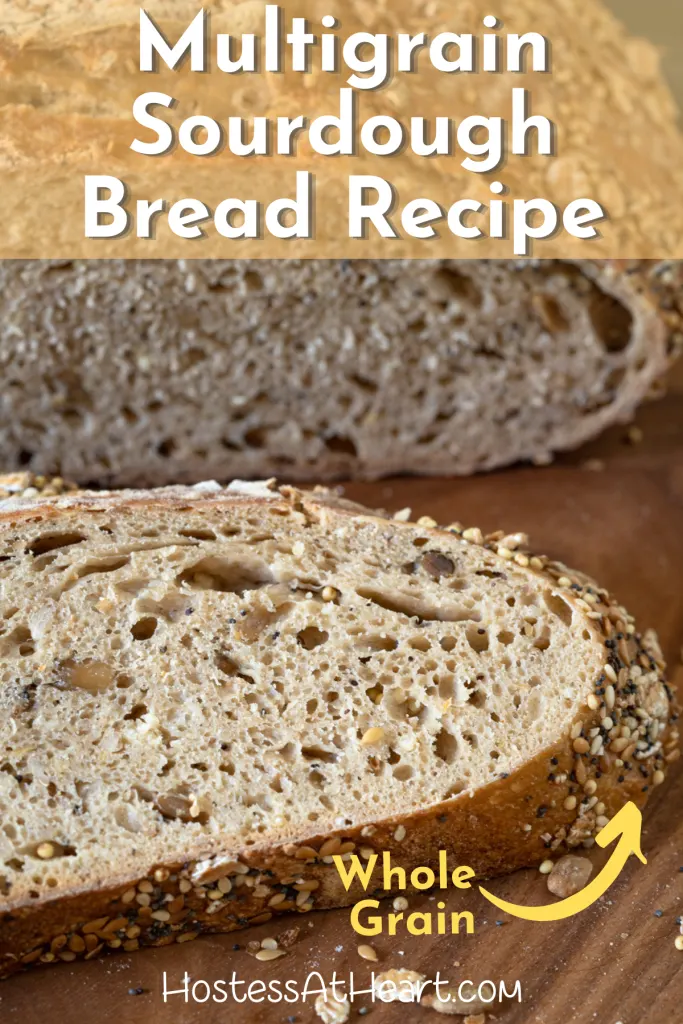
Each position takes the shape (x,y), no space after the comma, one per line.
(560,799)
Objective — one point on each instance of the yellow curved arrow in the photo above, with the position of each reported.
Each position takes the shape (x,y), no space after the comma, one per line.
(627,823)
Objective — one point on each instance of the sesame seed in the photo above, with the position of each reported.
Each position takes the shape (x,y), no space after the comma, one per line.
(546,867)
(570,803)
(400,903)
(581,745)
(658,777)
(367,953)
(269,944)
(400,834)
(678,942)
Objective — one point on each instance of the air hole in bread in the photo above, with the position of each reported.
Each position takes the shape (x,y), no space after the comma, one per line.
(446,746)
(144,629)
(505,637)
(415,607)
(316,753)
(136,712)
(341,445)
(111,563)
(376,642)
(452,284)
(403,772)
(166,448)
(197,534)
(228,667)
(542,642)
(257,438)
(558,606)
(227,576)
(478,639)
(612,321)
(54,542)
(312,637)
(419,643)
(437,564)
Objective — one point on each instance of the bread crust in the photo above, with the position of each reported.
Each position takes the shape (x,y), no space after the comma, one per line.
(554,801)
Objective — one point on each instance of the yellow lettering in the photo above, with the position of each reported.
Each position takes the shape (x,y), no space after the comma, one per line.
(467,917)
(460,876)
(389,872)
(356,870)
(427,874)
(374,925)
(414,921)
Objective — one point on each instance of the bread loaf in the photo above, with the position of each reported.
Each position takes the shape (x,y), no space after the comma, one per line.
(142,373)
(207,693)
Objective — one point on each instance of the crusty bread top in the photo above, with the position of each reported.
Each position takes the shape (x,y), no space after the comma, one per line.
(70,78)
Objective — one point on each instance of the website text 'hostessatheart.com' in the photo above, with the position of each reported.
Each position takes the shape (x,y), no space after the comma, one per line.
(381,987)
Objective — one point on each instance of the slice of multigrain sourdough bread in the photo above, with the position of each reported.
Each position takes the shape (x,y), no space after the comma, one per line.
(154,372)
(206,693)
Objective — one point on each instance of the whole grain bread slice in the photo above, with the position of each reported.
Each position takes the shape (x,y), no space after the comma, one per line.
(138,373)
(206,694)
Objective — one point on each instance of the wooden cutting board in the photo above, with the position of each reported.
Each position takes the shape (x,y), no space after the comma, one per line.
(616,510)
